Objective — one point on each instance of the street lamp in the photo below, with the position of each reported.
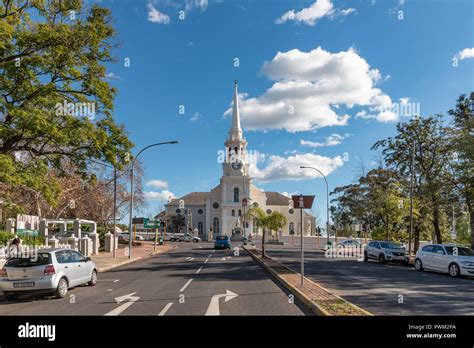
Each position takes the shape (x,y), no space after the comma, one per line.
(327,199)
(131,192)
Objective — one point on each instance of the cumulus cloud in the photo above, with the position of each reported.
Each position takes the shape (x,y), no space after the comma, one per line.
(312,14)
(332,140)
(156,16)
(310,89)
(159,184)
(277,168)
(465,54)
(200,4)
(164,195)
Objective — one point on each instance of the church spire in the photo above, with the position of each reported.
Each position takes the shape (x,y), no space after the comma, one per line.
(235,130)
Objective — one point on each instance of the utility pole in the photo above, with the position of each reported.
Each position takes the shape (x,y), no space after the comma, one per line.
(412,183)
(114,235)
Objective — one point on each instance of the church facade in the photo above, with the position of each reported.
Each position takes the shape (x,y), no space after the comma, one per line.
(221,211)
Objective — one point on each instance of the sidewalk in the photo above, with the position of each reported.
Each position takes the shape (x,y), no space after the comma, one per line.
(318,299)
(105,261)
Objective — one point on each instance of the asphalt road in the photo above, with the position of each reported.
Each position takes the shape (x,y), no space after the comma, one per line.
(189,280)
(383,289)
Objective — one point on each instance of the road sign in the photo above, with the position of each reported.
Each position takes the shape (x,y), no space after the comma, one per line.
(302,201)
(138,221)
(244,202)
(147,223)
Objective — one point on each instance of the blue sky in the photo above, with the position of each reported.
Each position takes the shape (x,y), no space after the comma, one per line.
(343,68)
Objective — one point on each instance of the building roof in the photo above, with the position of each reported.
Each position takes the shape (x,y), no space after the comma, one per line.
(193,198)
(276,198)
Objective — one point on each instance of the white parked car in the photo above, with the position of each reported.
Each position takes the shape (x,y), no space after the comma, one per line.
(446,258)
(386,251)
(349,243)
(47,271)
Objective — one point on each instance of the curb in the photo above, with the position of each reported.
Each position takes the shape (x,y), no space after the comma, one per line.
(312,305)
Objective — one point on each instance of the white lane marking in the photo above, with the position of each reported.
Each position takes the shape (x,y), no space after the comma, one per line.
(109,280)
(165,309)
(213,308)
(131,300)
(226,258)
(186,285)
(213,251)
(110,289)
(206,260)
(192,258)
(199,270)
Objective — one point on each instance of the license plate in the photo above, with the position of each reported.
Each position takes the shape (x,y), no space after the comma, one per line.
(24,285)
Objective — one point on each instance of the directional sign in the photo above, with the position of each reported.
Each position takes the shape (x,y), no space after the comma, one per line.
(131,300)
(244,202)
(213,308)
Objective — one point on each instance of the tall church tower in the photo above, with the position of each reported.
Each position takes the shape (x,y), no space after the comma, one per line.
(235,180)
(236,163)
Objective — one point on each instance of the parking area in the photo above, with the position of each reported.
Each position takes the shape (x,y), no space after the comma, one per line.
(383,289)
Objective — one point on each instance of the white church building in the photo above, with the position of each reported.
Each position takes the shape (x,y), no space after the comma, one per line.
(221,211)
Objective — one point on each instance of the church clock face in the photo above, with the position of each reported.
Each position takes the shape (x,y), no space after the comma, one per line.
(236,165)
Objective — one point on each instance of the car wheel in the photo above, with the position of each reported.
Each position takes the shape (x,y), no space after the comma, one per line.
(366,257)
(11,296)
(93,280)
(454,270)
(418,265)
(382,258)
(62,289)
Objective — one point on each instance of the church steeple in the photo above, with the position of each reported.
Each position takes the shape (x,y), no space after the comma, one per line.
(235,132)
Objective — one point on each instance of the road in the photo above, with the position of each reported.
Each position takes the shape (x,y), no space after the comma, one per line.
(192,279)
(383,289)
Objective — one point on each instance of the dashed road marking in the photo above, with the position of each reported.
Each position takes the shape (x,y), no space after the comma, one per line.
(186,285)
(199,270)
(165,309)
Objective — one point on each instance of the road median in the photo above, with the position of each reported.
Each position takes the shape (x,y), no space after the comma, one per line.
(314,296)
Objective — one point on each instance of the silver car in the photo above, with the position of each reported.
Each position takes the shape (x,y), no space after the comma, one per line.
(47,271)
(385,251)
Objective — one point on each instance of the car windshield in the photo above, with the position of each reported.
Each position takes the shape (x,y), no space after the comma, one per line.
(461,251)
(387,245)
(34,260)
(221,237)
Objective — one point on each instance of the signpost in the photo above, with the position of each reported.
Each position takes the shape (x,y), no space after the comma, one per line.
(302,202)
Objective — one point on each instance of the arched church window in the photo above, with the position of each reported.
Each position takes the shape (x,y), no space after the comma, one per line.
(254,227)
(215,226)
(233,212)
(236,150)
(236,195)
(200,227)
(240,212)
(291,228)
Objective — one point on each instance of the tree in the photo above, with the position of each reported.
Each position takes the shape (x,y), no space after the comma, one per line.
(462,145)
(431,153)
(273,222)
(52,54)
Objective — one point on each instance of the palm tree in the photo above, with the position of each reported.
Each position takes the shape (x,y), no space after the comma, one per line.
(273,221)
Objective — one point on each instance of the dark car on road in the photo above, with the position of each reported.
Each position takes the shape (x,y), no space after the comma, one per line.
(222,242)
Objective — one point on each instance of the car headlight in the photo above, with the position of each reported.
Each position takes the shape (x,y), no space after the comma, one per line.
(468,263)
(388,253)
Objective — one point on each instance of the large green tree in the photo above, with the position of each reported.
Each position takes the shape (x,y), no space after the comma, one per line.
(462,163)
(431,152)
(53,53)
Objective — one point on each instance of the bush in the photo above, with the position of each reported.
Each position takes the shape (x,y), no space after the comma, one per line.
(6,237)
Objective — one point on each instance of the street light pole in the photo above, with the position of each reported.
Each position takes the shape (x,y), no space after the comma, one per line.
(327,199)
(131,192)
(412,179)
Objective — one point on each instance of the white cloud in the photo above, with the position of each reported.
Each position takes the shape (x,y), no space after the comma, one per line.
(112,76)
(157,184)
(310,15)
(156,16)
(332,140)
(277,168)
(465,54)
(308,87)
(200,4)
(347,11)
(195,117)
(164,195)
